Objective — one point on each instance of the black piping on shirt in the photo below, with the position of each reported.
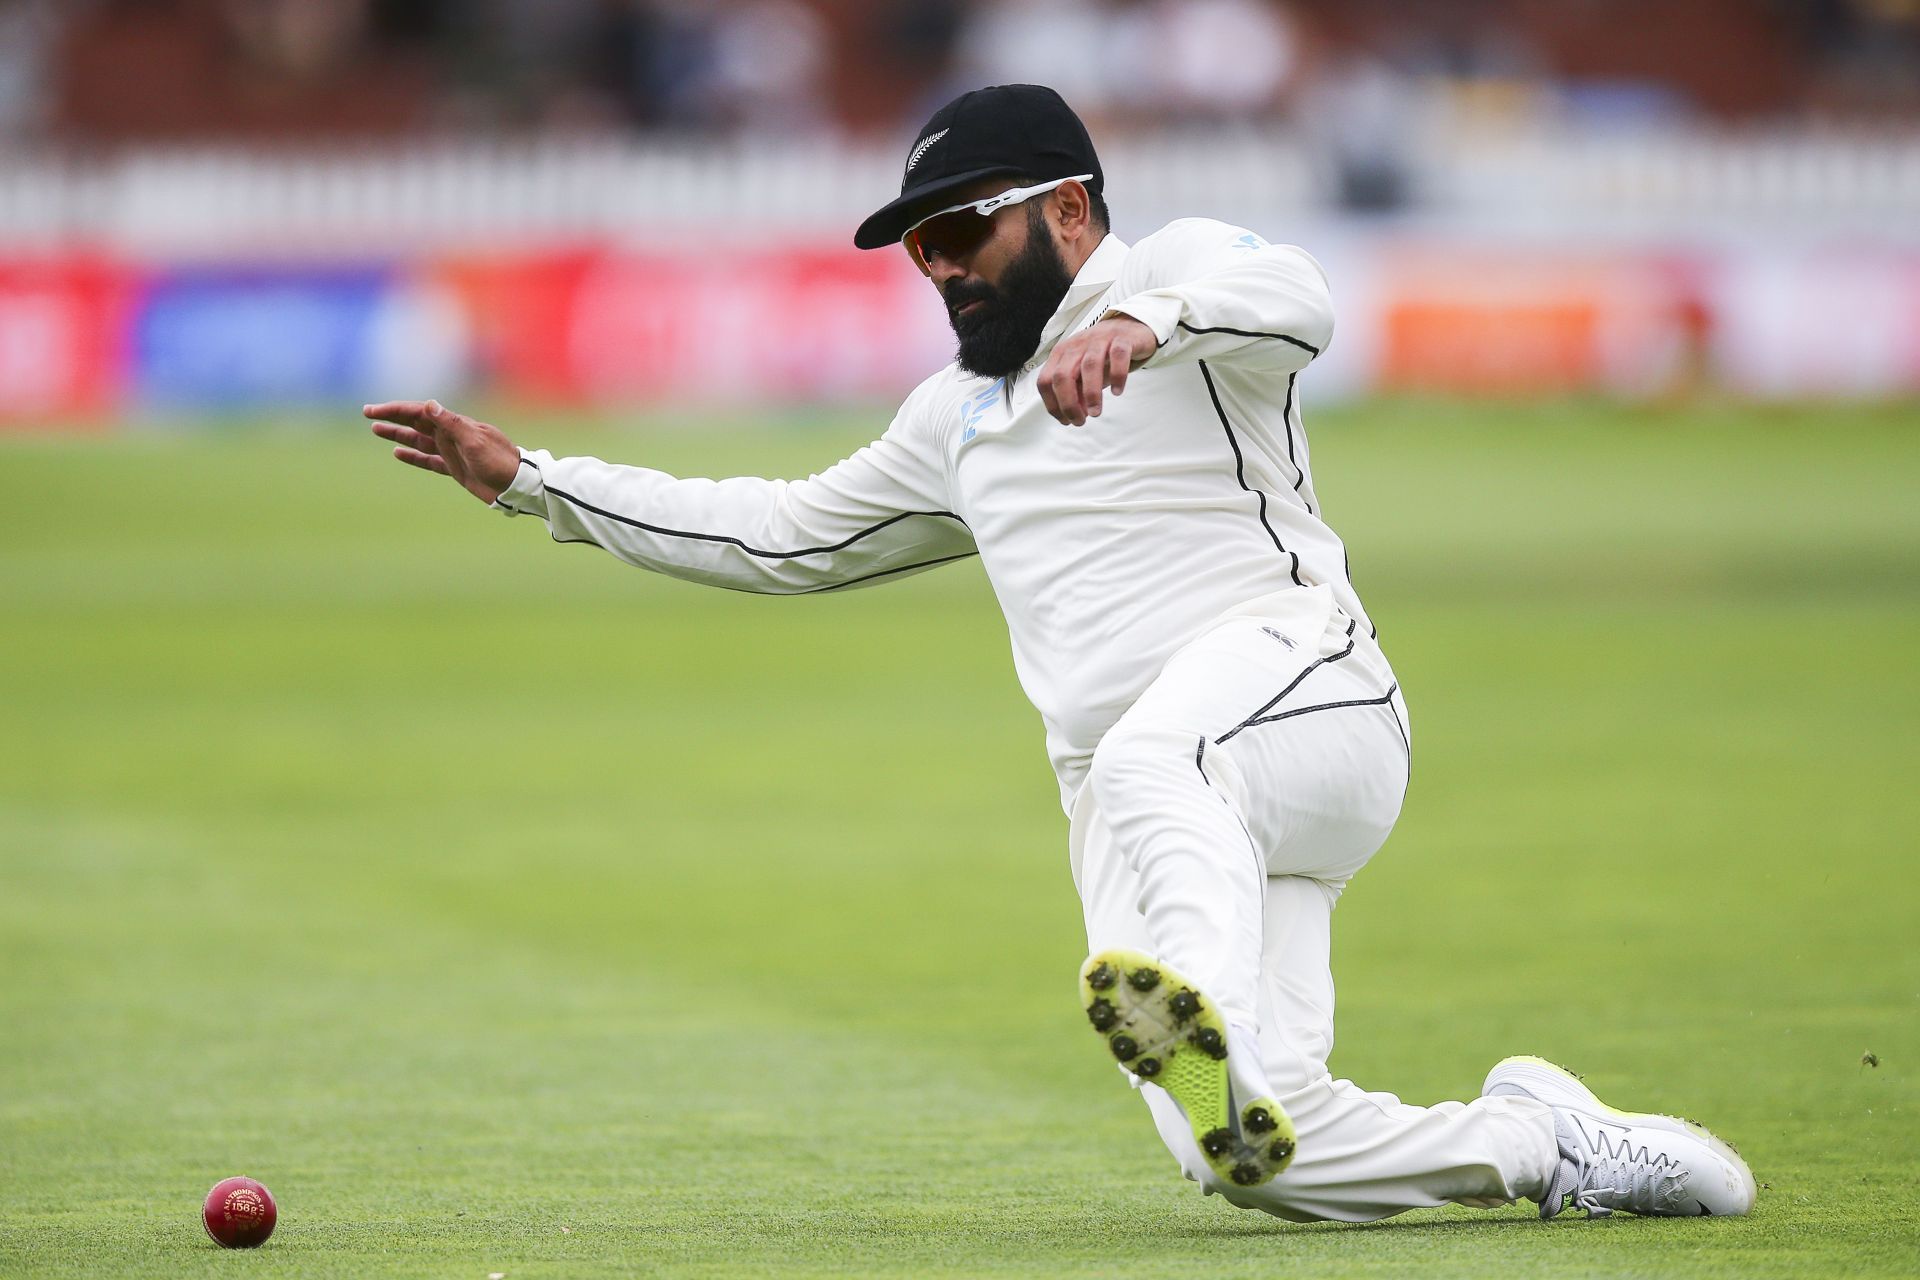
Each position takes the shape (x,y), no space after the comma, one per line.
(750,550)
(1240,474)
(1251,333)
(905,568)
(755,551)
(1299,472)
(806,591)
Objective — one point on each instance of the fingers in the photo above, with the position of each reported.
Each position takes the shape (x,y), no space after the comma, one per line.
(418,441)
(407,411)
(1044,379)
(1093,378)
(423,414)
(1060,382)
(1075,378)
(1066,390)
(1119,365)
(425,461)
(454,428)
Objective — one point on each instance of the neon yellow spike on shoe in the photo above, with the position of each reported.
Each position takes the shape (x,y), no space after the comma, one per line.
(1164,1030)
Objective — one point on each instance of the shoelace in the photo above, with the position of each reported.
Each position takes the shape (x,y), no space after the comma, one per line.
(1609,1177)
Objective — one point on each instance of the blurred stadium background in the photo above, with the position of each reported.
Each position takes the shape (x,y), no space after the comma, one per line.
(225,205)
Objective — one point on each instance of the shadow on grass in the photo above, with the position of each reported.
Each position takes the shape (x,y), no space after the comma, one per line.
(1248,1225)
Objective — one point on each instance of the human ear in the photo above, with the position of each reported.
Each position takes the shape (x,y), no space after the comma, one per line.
(1071,209)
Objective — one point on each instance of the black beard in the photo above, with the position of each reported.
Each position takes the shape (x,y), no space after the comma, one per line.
(999,336)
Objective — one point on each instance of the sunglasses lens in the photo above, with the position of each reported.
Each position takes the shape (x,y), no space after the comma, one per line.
(951,235)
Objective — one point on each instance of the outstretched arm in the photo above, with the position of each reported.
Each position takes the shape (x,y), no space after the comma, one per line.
(880,514)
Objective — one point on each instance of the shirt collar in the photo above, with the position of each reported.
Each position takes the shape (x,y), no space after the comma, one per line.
(1095,277)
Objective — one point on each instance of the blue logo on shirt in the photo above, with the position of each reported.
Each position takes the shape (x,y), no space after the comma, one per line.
(974,409)
(1249,241)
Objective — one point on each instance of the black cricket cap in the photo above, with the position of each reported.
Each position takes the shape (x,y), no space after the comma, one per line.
(1006,129)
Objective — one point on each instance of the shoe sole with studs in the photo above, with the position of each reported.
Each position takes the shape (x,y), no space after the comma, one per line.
(1164,1030)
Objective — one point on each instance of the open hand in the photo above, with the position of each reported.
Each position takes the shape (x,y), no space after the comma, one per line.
(434,438)
(1083,367)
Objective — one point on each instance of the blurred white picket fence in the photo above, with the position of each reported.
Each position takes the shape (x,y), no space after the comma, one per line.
(403,196)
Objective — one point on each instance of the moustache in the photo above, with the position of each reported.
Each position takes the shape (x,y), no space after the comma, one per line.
(958,294)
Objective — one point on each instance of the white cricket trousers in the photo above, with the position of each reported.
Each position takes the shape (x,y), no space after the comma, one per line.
(1221,817)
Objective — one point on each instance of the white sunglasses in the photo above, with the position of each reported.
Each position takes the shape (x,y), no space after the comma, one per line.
(959,235)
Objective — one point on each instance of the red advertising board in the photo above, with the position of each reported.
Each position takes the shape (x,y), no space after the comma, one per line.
(1513,322)
(622,326)
(520,312)
(85,337)
(63,337)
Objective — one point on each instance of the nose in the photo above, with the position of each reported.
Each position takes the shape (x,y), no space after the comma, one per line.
(942,268)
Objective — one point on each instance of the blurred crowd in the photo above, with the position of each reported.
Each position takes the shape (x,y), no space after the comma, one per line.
(107,71)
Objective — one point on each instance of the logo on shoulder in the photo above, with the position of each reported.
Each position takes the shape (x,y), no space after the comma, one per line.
(920,147)
(1284,639)
(975,407)
(1249,241)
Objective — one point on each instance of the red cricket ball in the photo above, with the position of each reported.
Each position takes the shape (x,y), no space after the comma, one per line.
(239,1213)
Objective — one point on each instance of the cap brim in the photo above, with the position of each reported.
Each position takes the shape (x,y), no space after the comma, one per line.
(892,221)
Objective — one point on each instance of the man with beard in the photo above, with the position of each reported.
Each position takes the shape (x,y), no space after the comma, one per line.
(1119,439)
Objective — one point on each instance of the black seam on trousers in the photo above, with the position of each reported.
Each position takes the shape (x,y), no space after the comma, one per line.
(1240,474)
(1305,671)
(1253,846)
(1405,740)
(1381,701)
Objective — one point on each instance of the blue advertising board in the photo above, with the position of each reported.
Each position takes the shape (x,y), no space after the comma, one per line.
(223,337)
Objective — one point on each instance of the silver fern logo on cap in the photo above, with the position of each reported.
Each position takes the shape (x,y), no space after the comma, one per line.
(920,148)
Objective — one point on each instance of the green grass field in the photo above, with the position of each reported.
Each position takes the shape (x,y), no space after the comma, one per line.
(508,910)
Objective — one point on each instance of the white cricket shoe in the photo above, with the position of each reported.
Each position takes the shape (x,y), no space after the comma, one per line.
(1611,1159)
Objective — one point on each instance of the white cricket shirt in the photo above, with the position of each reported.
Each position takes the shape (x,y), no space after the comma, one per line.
(1109,546)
